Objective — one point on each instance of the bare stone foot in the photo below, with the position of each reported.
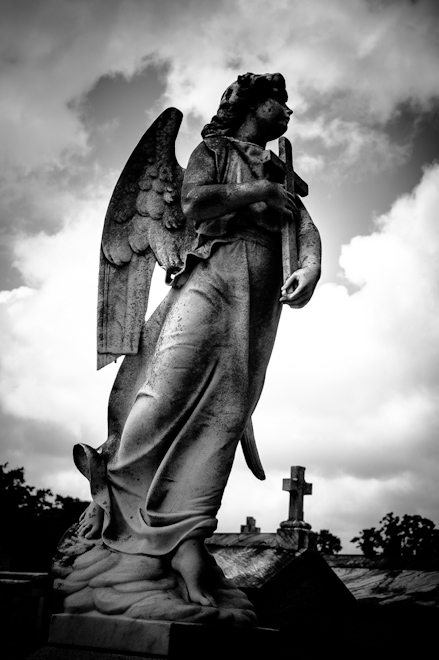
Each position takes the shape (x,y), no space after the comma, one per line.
(91,521)
(192,561)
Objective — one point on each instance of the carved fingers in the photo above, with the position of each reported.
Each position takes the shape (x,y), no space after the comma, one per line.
(281,200)
(299,288)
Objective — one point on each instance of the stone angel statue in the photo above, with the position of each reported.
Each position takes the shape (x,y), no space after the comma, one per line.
(193,373)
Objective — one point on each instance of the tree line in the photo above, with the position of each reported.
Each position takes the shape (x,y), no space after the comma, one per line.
(412,539)
(34,521)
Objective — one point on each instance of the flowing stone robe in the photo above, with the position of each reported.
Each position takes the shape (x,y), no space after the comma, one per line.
(208,348)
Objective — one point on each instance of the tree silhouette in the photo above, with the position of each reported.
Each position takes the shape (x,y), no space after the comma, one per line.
(15,494)
(410,538)
(324,542)
(33,522)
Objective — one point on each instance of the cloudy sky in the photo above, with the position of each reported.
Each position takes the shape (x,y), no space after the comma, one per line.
(352,388)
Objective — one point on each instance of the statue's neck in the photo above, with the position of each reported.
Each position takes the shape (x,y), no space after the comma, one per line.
(245,142)
(247,132)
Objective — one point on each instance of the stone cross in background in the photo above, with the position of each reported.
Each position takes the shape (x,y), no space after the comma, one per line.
(294,532)
(250,526)
(298,488)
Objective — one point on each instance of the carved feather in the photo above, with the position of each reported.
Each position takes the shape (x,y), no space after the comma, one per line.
(144,224)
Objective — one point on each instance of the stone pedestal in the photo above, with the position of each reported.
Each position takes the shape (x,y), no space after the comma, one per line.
(24,615)
(293,535)
(79,636)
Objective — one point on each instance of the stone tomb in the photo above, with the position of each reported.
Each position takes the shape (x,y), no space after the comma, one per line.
(24,612)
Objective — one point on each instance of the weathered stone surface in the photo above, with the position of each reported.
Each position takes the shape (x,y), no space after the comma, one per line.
(80,601)
(387,586)
(107,583)
(194,372)
(161,639)
(91,557)
(152,640)
(116,633)
(147,585)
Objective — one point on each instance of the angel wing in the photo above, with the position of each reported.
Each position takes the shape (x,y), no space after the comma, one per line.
(144,224)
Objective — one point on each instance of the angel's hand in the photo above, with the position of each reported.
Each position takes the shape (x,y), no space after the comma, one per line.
(281,200)
(299,287)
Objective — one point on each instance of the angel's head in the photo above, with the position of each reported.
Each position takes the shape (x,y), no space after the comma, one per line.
(246,95)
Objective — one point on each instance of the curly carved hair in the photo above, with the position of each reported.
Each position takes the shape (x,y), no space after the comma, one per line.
(239,97)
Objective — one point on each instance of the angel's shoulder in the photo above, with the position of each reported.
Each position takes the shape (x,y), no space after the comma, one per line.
(201,165)
(201,152)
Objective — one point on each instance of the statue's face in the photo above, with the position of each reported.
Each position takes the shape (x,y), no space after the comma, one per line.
(272,118)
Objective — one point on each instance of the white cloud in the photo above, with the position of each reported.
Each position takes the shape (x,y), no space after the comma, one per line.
(350,57)
(342,144)
(378,57)
(48,327)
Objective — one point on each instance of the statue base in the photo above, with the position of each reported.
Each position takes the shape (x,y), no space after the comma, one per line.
(82,636)
(93,580)
(293,535)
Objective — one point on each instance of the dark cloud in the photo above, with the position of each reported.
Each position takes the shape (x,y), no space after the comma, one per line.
(42,447)
(116,112)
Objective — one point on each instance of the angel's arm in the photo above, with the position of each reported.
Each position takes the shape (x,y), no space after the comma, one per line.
(203,199)
(299,287)
(308,240)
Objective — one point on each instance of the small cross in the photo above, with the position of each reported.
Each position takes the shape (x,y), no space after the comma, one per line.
(250,527)
(297,487)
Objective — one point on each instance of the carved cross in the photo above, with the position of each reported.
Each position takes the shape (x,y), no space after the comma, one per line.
(298,488)
(289,238)
(280,169)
